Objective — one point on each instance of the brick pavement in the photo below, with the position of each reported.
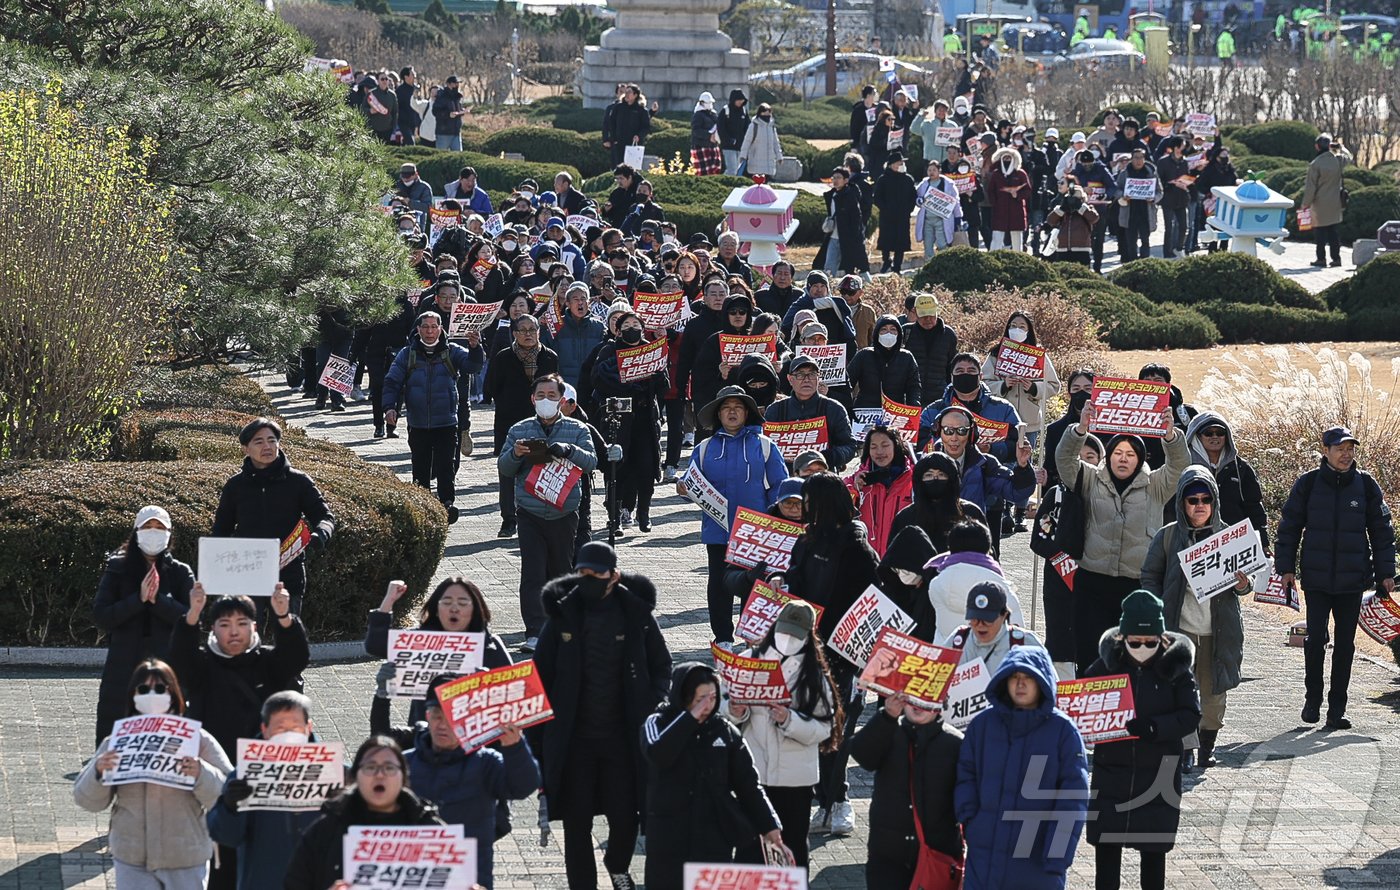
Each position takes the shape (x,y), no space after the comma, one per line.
(1289,806)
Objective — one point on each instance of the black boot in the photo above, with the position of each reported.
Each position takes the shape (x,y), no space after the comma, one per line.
(644,511)
(1188,760)
(1207,757)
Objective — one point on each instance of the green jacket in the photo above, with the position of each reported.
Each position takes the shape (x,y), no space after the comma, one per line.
(1225,45)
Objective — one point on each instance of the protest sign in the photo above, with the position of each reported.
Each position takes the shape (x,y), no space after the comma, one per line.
(1380,618)
(1065,566)
(990,431)
(440,218)
(964,183)
(857,631)
(641,361)
(493,225)
(375,106)
(553,480)
(1099,706)
(634,156)
(761,610)
(239,566)
(733,347)
(1275,593)
(338,376)
(1139,189)
(831,362)
(290,778)
(947,134)
(1096,194)
(863,420)
(420,655)
(658,311)
(940,203)
(1131,407)
(750,681)
(903,419)
(759,538)
(400,857)
(1019,361)
(895,140)
(967,693)
(151,748)
(480,704)
(471,317)
(912,91)
(726,876)
(1305,219)
(1210,565)
(294,545)
(705,495)
(901,665)
(551,319)
(796,436)
(1200,124)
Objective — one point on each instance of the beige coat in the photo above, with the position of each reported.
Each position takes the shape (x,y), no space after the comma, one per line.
(1322,190)
(154,826)
(785,756)
(1027,403)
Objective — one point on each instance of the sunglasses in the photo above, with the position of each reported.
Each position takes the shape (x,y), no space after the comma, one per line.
(148,688)
(956,430)
(1213,432)
(1139,644)
(1200,500)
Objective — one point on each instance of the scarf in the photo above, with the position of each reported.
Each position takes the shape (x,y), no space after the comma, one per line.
(529,359)
(944,560)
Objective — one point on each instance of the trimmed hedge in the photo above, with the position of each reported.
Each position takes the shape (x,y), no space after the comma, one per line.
(1153,278)
(215,387)
(1240,278)
(1289,139)
(499,177)
(962,269)
(1372,287)
(693,203)
(1244,323)
(1175,328)
(1368,210)
(547,145)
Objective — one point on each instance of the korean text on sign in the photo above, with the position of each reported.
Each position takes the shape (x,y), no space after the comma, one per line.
(290,778)
(1099,706)
(151,748)
(903,419)
(759,538)
(724,876)
(405,857)
(940,203)
(641,361)
(761,611)
(480,704)
(857,631)
(990,431)
(1139,189)
(1274,592)
(967,693)
(796,436)
(733,347)
(239,566)
(903,665)
(831,362)
(750,681)
(705,495)
(658,311)
(1131,407)
(420,655)
(1380,618)
(1020,361)
(552,481)
(471,317)
(1210,565)
(339,375)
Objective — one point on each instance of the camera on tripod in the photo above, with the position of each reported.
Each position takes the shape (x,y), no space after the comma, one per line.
(619,405)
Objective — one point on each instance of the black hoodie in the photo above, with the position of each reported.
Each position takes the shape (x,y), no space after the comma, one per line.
(733,122)
(893,372)
(757,376)
(319,856)
(923,513)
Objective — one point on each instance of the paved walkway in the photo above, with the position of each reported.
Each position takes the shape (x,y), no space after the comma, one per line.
(1290,807)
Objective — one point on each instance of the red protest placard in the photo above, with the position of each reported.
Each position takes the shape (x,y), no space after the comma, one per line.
(796,436)
(757,537)
(1099,706)
(963,182)
(750,681)
(990,431)
(293,545)
(761,610)
(1020,361)
(471,317)
(641,361)
(551,482)
(443,218)
(1276,594)
(904,419)
(733,347)
(1127,406)
(480,704)
(724,876)
(658,311)
(900,664)
(1380,618)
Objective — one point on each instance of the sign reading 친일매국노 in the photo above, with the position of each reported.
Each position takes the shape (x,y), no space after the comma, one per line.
(730,876)
(338,376)
(857,631)
(408,857)
(151,749)
(420,655)
(290,778)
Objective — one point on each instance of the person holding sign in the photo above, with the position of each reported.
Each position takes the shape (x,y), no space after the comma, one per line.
(883,484)
(938,217)
(1140,191)
(989,634)
(377,797)
(703,794)
(1023,781)
(1123,501)
(985,481)
(510,380)
(1025,383)
(1214,627)
(807,403)
(1129,809)
(269,498)
(966,390)
(637,431)
(157,834)
(1075,221)
(1339,553)
(895,197)
(713,368)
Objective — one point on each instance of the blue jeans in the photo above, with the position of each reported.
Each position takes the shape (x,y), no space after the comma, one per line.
(731,162)
(450,143)
(935,235)
(833,256)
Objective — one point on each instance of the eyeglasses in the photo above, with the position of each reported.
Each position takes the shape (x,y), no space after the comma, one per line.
(1214,432)
(805,375)
(1200,500)
(148,688)
(380,769)
(1139,644)
(956,430)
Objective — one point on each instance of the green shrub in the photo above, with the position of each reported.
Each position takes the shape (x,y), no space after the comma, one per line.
(1251,323)
(1240,278)
(1154,278)
(1367,178)
(1262,164)
(1375,324)
(799,148)
(216,387)
(1176,328)
(1289,139)
(1068,271)
(667,144)
(499,177)
(1371,288)
(1368,210)
(546,145)
(819,120)
(824,161)
(1285,180)
(966,269)
(1292,294)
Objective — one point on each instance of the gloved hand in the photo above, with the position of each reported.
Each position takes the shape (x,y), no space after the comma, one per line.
(381,679)
(235,792)
(319,540)
(758,572)
(1143,728)
(559,450)
(615,453)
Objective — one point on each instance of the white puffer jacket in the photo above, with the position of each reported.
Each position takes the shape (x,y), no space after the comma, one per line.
(785,756)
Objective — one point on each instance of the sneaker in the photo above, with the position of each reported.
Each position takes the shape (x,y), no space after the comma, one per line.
(464,443)
(507,529)
(843,819)
(671,474)
(1311,713)
(688,440)
(821,821)
(623,881)
(624,518)
(529,644)
(357,394)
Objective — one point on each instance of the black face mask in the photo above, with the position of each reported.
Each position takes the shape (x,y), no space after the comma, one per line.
(966,382)
(592,589)
(1077,401)
(937,488)
(631,335)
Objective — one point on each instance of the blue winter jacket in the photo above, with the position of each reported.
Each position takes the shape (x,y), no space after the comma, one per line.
(576,339)
(578,446)
(1021,771)
(735,466)
(432,390)
(265,841)
(986,405)
(465,788)
(1336,532)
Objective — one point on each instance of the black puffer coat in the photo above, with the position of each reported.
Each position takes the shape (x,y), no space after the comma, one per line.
(882,746)
(1336,532)
(831,569)
(268,503)
(320,855)
(1164,690)
(933,349)
(877,371)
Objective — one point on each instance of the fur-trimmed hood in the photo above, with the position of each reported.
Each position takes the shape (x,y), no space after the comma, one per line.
(635,590)
(1003,153)
(1170,663)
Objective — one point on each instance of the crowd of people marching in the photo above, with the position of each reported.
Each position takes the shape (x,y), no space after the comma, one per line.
(924,513)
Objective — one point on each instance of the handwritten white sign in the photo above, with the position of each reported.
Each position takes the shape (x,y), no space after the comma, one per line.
(239,566)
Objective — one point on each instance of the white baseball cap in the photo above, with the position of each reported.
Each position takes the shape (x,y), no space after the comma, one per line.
(146,514)
(1077,137)
(1052,132)
(570,394)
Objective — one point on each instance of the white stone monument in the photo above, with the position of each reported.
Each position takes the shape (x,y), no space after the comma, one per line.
(672,49)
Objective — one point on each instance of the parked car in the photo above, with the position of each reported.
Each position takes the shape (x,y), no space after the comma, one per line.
(1096,53)
(1035,38)
(808,77)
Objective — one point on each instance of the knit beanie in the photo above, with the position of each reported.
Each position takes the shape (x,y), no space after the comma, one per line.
(1142,615)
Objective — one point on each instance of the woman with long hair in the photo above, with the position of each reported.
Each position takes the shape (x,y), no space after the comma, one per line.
(1028,395)
(882,485)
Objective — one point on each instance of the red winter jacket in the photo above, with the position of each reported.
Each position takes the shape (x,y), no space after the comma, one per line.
(879,503)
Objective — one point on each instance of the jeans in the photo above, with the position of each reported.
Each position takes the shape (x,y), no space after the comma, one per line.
(1173,230)
(1018,240)
(599,775)
(324,350)
(1328,237)
(546,552)
(935,235)
(1212,702)
(450,143)
(134,877)
(731,161)
(833,255)
(433,453)
(1344,609)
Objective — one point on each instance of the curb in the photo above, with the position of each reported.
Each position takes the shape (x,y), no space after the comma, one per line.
(35,656)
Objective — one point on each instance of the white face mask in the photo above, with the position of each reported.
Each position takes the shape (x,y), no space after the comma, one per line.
(152,703)
(1142,654)
(152,541)
(787,644)
(908,578)
(291,737)
(1006,167)
(898,168)
(508,245)
(888,339)
(546,408)
(1017,334)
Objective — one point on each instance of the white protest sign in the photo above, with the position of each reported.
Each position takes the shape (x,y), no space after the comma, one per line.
(831,362)
(290,778)
(1380,618)
(729,876)
(151,749)
(493,225)
(390,857)
(634,156)
(1210,566)
(945,135)
(940,203)
(420,655)
(864,419)
(1200,124)
(1139,189)
(706,496)
(858,629)
(470,317)
(967,693)
(339,375)
(912,91)
(579,221)
(239,566)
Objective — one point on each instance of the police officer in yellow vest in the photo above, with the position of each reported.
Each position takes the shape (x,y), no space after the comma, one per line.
(1225,48)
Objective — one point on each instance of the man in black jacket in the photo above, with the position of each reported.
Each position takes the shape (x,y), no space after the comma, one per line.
(605,666)
(1176,194)
(409,118)
(933,344)
(863,118)
(1336,534)
(270,499)
(777,296)
(631,122)
(806,404)
(448,113)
